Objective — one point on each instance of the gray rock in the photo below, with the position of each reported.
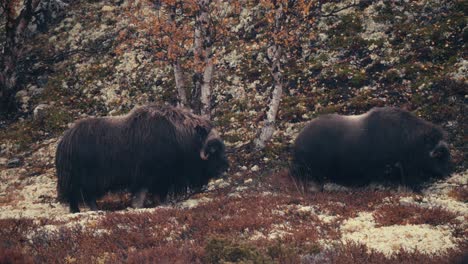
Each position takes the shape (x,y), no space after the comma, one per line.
(21,94)
(13,163)
(42,80)
(22,97)
(34,90)
(40,111)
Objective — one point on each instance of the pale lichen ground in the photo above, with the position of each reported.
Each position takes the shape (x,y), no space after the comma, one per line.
(424,238)
(29,198)
(390,239)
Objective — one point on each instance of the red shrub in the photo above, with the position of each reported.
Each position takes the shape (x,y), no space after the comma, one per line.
(14,256)
(394,214)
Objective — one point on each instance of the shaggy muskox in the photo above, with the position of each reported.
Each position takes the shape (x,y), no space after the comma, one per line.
(384,145)
(155,149)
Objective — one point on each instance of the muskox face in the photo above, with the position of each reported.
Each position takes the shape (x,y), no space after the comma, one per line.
(439,160)
(214,154)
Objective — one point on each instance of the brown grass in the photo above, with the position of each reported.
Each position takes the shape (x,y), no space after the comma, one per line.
(459,193)
(14,256)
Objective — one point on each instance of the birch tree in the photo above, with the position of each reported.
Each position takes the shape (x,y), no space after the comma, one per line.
(168,34)
(274,55)
(288,24)
(182,28)
(203,55)
(211,23)
(175,50)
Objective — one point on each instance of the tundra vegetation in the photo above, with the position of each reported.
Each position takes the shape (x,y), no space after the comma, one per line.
(261,70)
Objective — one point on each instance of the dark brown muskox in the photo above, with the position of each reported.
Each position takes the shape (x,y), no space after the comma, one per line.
(155,149)
(357,150)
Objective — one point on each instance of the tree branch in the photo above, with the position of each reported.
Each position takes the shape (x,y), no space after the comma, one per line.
(337,10)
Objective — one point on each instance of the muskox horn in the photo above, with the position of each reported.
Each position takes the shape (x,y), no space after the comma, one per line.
(206,153)
(203,156)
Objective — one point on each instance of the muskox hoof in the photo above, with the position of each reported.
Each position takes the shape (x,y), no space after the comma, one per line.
(315,187)
(92,205)
(74,208)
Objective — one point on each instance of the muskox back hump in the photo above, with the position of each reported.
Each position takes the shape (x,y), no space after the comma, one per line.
(327,133)
(317,147)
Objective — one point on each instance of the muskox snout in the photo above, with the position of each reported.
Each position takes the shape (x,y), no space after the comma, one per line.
(213,153)
(225,164)
(222,166)
(440,162)
(440,151)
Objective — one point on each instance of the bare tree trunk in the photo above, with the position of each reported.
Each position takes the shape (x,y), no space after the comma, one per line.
(203,43)
(195,95)
(178,73)
(197,78)
(13,49)
(274,55)
(179,82)
(205,96)
(8,74)
(268,128)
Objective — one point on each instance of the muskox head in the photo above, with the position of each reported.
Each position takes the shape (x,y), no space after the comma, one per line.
(213,153)
(438,160)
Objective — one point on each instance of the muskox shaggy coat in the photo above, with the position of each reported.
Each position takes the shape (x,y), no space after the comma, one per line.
(386,145)
(155,149)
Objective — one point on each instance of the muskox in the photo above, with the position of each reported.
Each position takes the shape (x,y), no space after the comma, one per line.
(156,149)
(385,145)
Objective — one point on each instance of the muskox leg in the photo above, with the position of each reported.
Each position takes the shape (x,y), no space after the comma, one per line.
(316,180)
(91,202)
(399,165)
(308,180)
(315,186)
(73,202)
(412,177)
(74,207)
(139,198)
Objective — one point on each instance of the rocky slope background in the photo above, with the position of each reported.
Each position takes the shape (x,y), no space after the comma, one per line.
(410,54)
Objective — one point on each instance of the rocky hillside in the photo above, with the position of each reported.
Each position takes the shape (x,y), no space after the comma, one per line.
(410,54)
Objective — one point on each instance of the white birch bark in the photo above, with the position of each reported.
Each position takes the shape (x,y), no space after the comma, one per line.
(274,54)
(269,123)
(178,73)
(197,49)
(203,44)
(179,82)
(206,88)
